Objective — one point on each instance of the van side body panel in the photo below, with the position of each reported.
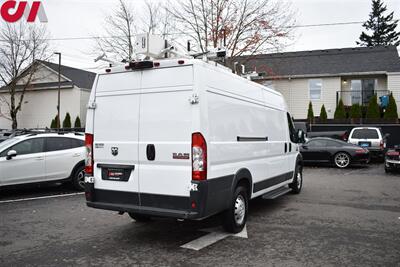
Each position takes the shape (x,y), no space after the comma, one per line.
(244,124)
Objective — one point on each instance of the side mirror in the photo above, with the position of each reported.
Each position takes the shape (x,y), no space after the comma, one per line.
(11,154)
(301,137)
(304,147)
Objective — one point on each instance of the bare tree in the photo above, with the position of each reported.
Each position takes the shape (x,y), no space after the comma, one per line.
(120,29)
(249,26)
(21,45)
(156,19)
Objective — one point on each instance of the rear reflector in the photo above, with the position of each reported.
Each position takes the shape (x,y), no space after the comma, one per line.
(181,62)
(89,154)
(393,153)
(361,151)
(199,157)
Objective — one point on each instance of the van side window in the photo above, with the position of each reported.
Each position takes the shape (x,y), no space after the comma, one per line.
(292,130)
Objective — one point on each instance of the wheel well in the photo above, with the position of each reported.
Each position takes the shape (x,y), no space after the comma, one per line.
(245,183)
(79,164)
(243,177)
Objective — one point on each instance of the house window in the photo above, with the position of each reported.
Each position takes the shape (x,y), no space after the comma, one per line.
(315,86)
(362,90)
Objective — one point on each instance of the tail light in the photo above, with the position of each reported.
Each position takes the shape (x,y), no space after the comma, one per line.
(89,154)
(393,153)
(382,145)
(199,157)
(361,151)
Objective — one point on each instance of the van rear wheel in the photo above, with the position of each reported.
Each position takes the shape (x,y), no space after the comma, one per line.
(139,217)
(236,216)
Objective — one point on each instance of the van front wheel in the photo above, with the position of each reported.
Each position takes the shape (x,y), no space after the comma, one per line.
(236,216)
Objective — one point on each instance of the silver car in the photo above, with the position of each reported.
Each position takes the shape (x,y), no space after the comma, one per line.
(370,138)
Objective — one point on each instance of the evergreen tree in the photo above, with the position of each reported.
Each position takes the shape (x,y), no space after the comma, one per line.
(340,112)
(355,112)
(77,123)
(382,28)
(373,111)
(391,110)
(323,116)
(310,113)
(53,124)
(67,121)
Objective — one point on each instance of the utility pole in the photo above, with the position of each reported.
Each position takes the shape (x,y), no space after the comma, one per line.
(59,90)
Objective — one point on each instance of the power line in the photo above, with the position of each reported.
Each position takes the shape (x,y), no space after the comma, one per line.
(183,33)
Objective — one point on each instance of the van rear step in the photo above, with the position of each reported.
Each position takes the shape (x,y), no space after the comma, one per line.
(276,193)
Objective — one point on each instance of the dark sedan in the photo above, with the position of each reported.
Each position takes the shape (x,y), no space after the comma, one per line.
(392,159)
(327,150)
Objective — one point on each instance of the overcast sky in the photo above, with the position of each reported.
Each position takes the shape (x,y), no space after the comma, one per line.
(84,18)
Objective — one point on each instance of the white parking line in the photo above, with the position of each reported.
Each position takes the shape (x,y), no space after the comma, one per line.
(44,197)
(214,236)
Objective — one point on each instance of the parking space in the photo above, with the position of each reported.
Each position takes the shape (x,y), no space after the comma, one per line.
(342,217)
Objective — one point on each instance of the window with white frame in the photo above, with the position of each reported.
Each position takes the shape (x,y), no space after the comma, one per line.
(315,89)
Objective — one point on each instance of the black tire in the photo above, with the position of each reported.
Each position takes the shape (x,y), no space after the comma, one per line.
(139,217)
(297,184)
(78,178)
(387,170)
(234,219)
(345,156)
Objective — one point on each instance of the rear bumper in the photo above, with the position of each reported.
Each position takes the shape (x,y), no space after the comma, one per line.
(392,164)
(151,211)
(376,152)
(206,198)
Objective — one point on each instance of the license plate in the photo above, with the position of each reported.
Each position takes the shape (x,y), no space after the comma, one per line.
(115,174)
(364,144)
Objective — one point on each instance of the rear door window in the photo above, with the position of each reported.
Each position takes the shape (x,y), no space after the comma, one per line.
(58,143)
(365,134)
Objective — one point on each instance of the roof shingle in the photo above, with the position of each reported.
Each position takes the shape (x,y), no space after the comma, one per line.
(326,62)
(81,78)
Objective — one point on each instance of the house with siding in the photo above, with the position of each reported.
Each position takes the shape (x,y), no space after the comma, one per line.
(325,76)
(41,96)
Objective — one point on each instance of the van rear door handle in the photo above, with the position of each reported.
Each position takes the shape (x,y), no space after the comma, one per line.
(151,152)
(285,147)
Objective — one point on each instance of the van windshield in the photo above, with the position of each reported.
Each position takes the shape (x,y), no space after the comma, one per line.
(365,134)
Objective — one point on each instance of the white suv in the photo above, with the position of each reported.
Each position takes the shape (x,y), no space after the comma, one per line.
(370,138)
(43,157)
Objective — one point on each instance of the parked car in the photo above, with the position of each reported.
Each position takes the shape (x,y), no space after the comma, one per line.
(332,151)
(43,157)
(370,138)
(206,142)
(392,159)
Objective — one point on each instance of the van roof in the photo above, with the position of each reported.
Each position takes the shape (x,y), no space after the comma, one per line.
(178,62)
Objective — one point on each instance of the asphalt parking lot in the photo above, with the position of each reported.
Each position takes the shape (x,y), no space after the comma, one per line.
(342,218)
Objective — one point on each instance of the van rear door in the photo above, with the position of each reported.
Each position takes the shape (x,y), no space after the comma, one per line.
(116,126)
(165,136)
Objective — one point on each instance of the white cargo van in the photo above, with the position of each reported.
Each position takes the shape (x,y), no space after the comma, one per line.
(187,139)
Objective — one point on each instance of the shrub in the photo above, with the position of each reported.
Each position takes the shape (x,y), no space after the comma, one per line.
(355,111)
(323,116)
(391,110)
(77,123)
(310,113)
(373,111)
(67,121)
(340,112)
